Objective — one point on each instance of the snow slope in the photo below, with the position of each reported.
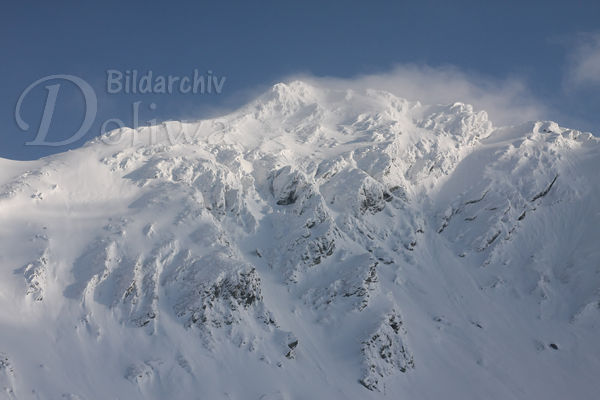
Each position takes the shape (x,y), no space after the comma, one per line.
(316,243)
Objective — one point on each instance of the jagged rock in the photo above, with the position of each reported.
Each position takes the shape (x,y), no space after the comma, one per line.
(385,352)
(355,282)
(218,301)
(287,186)
(35,274)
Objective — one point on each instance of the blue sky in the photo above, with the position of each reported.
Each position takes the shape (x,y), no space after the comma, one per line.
(519,59)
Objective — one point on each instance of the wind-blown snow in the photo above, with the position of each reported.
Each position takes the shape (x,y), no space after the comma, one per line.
(314,244)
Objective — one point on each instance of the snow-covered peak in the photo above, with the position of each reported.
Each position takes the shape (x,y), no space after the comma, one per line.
(316,242)
(316,123)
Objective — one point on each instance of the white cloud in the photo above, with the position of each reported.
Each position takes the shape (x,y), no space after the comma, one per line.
(507,101)
(584,62)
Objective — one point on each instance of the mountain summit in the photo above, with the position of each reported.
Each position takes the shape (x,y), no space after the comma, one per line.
(315,243)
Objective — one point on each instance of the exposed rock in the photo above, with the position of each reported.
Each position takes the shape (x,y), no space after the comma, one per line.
(35,274)
(385,352)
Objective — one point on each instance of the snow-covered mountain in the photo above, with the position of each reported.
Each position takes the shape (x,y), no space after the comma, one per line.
(316,243)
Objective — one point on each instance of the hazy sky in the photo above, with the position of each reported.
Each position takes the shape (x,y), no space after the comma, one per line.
(521,60)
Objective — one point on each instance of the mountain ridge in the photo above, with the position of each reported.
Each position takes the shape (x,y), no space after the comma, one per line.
(320,242)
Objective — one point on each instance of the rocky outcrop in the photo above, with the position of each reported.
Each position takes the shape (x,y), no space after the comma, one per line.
(385,352)
(36,275)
